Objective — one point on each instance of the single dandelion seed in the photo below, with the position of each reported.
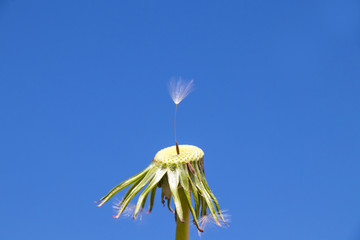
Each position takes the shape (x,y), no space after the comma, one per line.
(208,220)
(179,89)
(179,172)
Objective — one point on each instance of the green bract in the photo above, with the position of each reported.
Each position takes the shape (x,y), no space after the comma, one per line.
(173,173)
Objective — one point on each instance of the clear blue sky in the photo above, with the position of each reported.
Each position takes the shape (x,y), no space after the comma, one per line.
(84,105)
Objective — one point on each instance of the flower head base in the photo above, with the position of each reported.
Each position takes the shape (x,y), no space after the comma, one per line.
(188,154)
(173,173)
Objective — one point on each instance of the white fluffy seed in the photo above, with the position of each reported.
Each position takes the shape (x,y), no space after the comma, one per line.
(179,89)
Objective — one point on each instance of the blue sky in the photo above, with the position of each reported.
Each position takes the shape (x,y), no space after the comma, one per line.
(84,105)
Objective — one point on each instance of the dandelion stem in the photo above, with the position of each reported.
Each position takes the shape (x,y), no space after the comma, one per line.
(182,228)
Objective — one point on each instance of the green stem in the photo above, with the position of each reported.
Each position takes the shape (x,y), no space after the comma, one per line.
(182,228)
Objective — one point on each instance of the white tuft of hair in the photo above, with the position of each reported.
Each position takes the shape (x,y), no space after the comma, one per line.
(208,220)
(128,211)
(179,89)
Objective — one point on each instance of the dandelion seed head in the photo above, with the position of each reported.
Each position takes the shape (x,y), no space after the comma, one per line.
(179,89)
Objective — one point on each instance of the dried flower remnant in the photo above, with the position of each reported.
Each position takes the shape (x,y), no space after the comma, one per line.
(179,172)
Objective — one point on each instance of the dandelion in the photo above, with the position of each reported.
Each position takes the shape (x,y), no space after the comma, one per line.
(179,172)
